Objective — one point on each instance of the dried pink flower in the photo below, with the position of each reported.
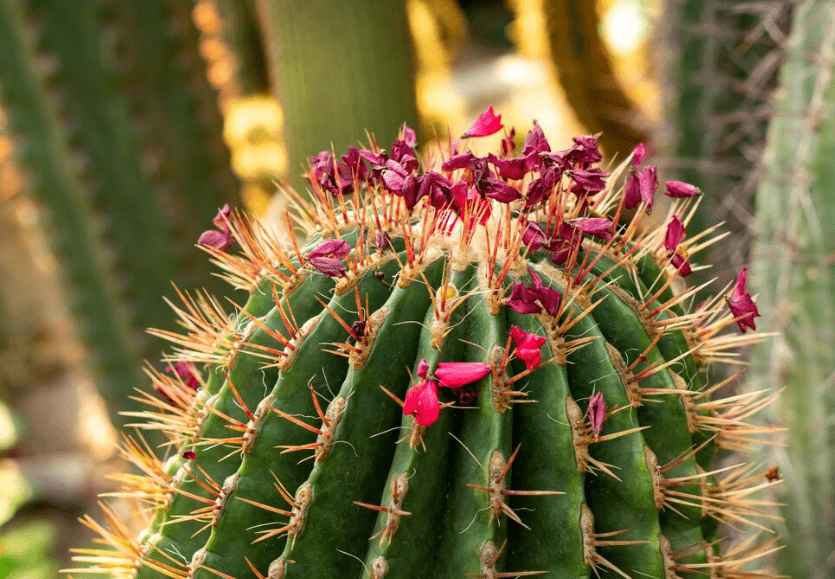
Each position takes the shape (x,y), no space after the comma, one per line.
(220,240)
(327,257)
(741,304)
(680,189)
(597,413)
(674,235)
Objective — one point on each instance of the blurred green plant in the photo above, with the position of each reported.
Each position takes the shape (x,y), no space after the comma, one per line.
(793,266)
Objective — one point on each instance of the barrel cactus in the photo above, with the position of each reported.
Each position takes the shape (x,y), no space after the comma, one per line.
(471,367)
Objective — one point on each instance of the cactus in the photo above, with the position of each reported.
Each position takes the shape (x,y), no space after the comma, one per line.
(315,67)
(719,69)
(793,266)
(466,371)
(123,144)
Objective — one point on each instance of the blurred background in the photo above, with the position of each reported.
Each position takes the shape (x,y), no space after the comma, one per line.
(124,126)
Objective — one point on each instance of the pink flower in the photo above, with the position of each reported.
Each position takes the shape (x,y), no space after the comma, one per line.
(487,124)
(533,299)
(500,191)
(188,454)
(327,257)
(455,374)
(527,347)
(422,402)
(185,371)
(638,155)
(422,369)
(640,188)
(681,263)
(680,189)
(674,235)
(220,240)
(221,220)
(741,304)
(596,226)
(597,413)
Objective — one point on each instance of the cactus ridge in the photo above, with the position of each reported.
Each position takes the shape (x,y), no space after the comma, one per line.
(591,454)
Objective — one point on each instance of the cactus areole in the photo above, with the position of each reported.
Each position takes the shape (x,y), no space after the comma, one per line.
(472,367)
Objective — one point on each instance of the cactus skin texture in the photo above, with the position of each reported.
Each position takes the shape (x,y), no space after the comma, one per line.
(124,156)
(559,420)
(793,267)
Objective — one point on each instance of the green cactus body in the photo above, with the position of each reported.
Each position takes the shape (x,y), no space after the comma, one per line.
(554,414)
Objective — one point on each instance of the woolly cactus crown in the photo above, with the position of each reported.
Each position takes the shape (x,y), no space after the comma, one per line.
(478,363)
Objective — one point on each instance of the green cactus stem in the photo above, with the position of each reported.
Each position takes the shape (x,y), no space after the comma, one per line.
(793,267)
(719,68)
(114,134)
(338,69)
(468,371)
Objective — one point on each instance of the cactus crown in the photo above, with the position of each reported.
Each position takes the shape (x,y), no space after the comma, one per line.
(478,363)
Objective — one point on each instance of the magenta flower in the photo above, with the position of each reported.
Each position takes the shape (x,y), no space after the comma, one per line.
(674,235)
(599,227)
(487,124)
(513,168)
(597,413)
(500,191)
(458,161)
(221,220)
(423,369)
(220,240)
(409,136)
(185,371)
(638,155)
(535,142)
(680,189)
(640,188)
(741,304)
(327,257)
(534,299)
(527,347)
(587,181)
(188,454)
(423,403)
(455,374)
(680,262)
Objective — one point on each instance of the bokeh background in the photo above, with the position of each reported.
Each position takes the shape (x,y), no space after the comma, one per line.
(124,126)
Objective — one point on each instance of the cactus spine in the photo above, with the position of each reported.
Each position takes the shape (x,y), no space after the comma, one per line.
(114,134)
(477,371)
(793,266)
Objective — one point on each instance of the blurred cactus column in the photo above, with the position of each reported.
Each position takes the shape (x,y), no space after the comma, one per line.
(117,129)
(719,67)
(339,67)
(586,74)
(794,257)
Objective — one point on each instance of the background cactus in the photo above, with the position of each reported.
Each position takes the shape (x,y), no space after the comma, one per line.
(793,268)
(118,129)
(457,345)
(719,67)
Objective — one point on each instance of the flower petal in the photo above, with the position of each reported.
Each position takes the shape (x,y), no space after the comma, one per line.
(453,374)
(487,124)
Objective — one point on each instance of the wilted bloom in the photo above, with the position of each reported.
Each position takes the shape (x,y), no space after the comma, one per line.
(599,227)
(458,161)
(454,374)
(513,168)
(185,371)
(741,304)
(423,369)
(534,236)
(597,413)
(221,220)
(220,240)
(409,136)
(382,240)
(533,299)
(680,262)
(638,155)
(188,454)
(540,188)
(680,189)
(327,257)
(674,235)
(422,402)
(500,191)
(588,181)
(535,142)
(487,124)
(640,188)
(527,346)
